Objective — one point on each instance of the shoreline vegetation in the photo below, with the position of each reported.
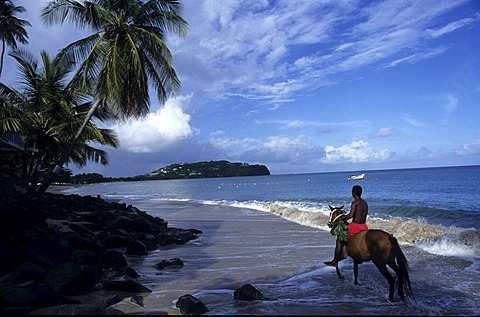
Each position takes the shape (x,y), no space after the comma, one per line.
(204,169)
(67,254)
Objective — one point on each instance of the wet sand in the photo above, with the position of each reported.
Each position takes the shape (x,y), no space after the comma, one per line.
(282,259)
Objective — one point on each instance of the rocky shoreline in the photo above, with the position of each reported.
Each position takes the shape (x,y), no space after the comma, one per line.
(56,250)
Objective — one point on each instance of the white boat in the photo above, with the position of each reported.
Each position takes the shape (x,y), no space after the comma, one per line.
(356,177)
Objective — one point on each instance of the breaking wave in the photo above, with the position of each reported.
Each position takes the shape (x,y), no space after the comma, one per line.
(432,238)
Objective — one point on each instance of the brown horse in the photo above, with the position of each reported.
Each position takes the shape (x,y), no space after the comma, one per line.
(382,249)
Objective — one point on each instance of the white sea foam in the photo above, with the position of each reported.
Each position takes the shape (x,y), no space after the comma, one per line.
(435,239)
(445,246)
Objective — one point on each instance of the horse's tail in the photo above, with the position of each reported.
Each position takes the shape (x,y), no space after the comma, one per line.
(403,265)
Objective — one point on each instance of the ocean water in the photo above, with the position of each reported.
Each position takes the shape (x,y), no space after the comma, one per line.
(271,231)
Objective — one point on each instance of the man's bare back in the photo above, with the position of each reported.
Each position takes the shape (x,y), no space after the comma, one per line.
(360,210)
(358,207)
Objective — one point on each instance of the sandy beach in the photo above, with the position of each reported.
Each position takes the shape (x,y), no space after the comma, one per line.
(284,261)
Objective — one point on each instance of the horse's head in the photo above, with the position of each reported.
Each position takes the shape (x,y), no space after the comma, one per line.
(335,212)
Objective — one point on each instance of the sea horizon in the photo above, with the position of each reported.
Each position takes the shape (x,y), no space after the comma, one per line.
(358,171)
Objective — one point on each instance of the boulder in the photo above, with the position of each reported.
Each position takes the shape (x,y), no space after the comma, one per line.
(125,284)
(32,295)
(175,262)
(136,248)
(190,305)
(53,246)
(115,241)
(76,309)
(25,273)
(71,279)
(248,292)
(46,252)
(114,259)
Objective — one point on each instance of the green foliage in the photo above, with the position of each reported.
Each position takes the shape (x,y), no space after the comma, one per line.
(181,171)
(208,169)
(87,178)
(340,229)
(46,112)
(126,54)
(121,60)
(12,29)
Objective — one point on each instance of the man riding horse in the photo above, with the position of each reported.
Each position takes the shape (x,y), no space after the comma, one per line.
(359,212)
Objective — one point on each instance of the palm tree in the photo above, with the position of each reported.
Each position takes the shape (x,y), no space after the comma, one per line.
(126,52)
(48,111)
(12,29)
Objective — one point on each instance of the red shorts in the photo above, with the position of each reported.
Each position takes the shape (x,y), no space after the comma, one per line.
(354,228)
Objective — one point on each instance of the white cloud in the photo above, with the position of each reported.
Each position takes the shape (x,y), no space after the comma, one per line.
(356,152)
(167,125)
(219,140)
(450,106)
(412,121)
(251,50)
(283,143)
(469,149)
(450,27)
(385,132)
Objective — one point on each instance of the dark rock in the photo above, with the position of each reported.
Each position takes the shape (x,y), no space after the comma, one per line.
(248,292)
(80,229)
(166,239)
(112,300)
(45,252)
(8,260)
(125,284)
(149,240)
(156,220)
(77,309)
(76,241)
(71,279)
(115,241)
(32,295)
(132,225)
(128,271)
(136,248)
(56,245)
(190,305)
(25,273)
(137,299)
(183,234)
(175,262)
(87,258)
(114,259)
(16,311)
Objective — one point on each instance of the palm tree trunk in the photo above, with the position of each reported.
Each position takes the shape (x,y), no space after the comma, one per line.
(1,57)
(52,174)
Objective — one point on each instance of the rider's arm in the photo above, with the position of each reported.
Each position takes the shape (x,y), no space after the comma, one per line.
(350,214)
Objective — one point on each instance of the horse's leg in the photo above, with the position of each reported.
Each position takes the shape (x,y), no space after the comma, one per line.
(339,255)
(355,272)
(399,277)
(340,276)
(391,280)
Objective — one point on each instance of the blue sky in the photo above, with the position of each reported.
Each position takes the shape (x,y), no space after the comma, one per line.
(306,86)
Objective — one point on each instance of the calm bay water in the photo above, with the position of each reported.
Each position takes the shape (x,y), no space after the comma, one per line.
(433,212)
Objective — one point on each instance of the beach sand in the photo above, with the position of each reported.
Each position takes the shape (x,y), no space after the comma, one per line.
(282,259)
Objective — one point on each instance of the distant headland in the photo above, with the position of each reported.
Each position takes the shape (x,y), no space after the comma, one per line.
(205,169)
